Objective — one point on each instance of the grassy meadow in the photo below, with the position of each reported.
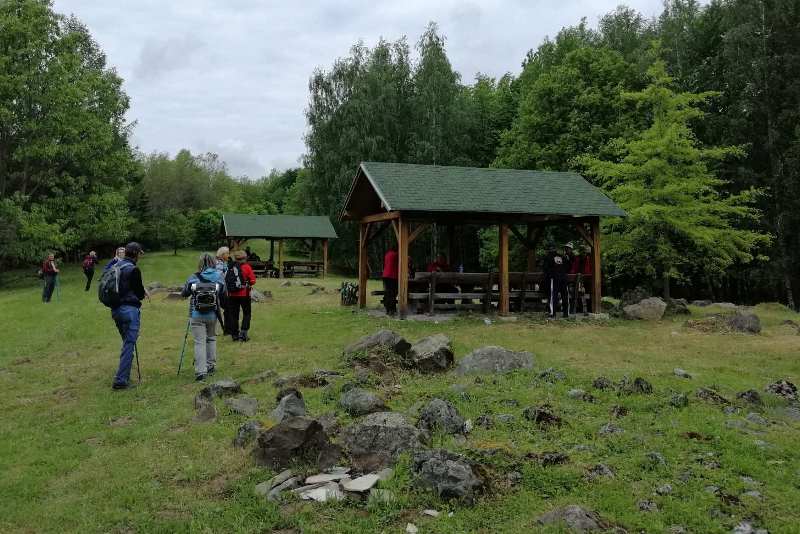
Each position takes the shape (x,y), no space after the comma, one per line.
(77,457)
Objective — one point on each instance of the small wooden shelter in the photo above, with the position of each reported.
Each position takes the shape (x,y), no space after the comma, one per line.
(238,227)
(412,197)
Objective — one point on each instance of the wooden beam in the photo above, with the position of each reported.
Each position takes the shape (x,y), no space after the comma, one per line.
(378,217)
(584,234)
(324,258)
(596,274)
(503,304)
(362,265)
(421,227)
(379,229)
(402,272)
(280,258)
(396,228)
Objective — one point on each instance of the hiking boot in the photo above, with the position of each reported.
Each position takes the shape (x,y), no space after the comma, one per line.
(243,336)
(235,337)
(129,385)
(211,371)
(200,377)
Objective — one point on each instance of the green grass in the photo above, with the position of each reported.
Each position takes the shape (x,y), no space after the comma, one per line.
(77,457)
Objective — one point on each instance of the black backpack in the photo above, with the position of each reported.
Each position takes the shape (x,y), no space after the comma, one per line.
(108,288)
(205,295)
(233,278)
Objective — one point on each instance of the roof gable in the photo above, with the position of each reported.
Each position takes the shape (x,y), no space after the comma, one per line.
(277,226)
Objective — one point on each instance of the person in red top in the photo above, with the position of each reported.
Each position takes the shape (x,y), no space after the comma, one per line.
(49,274)
(238,281)
(439,265)
(390,268)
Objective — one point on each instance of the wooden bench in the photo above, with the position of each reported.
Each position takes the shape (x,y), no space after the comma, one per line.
(302,268)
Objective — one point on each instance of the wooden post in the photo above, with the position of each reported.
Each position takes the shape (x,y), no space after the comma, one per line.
(596,274)
(402,272)
(362,265)
(451,244)
(531,250)
(280,258)
(324,258)
(272,250)
(503,304)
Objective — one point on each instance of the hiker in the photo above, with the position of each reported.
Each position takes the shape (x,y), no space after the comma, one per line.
(389,276)
(252,256)
(221,265)
(89,261)
(119,255)
(205,287)
(238,281)
(127,315)
(223,258)
(555,273)
(50,276)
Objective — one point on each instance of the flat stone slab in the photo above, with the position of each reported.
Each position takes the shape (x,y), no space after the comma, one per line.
(326,477)
(328,492)
(247,406)
(363,483)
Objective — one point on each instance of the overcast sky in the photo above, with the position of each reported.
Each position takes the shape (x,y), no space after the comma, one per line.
(231,76)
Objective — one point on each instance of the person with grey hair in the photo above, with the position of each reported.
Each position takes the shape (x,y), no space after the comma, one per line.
(205,287)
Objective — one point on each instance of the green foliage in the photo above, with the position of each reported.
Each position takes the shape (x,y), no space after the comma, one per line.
(206,228)
(678,221)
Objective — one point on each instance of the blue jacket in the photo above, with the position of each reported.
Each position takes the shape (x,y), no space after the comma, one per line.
(210,275)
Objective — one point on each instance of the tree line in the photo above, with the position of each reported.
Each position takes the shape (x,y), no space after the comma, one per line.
(689,121)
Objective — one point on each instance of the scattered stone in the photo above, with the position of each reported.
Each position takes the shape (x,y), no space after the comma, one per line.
(377,440)
(756,419)
(431,513)
(449,474)
(709,395)
(411,528)
(574,518)
(666,489)
(289,484)
(221,388)
(677,529)
(655,459)
(790,412)
(726,305)
(793,324)
(648,506)
(747,323)
(750,481)
(505,418)
(258,296)
(326,477)
(677,307)
(513,403)
(610,428)
(638,386)
(753,494)
(295,439)
(329,423)
(599,471)
(701,303)
(494,360)
(752,396)
(247,406)
(679,400)
(246,433)
(361,484)
(603,383)
(468,426)
(431,354)
(513,478)
(328,492)
(552,375)
(286,283)
(731,410)
(317,379)
(291,404)
(265,487)
(548,459)
(783,388)
(649,309)
(542,416)
(681,373)
(712,489)
(745,527)
(697,436)
(358,401)
(484,421)
(580,394)
(619,411)
(440,415)
(382,340)
(206,412)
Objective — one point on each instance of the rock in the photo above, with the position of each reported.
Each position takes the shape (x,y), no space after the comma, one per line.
(753,494)
(357,401)
(750,396)
(265,487)
(649,309)
(748,323)
(575,519)
(552,375)
(289,484)
(440,415)
(290,405)
(599,471)
(731,410)
(505,418)
(494,360)
(377,440)
(602,383)
(783,388)
(701,303)
(324,478)
(679,400)
(449,474)
(681,373)
(411,528)
(484,421)
(328,492)
(639,386)
(619,411)
(221,388)
(431,354)
(247,406)
(709,395)
(361,484)
(677,307)
(316,379)
(677,529)
(579,394)
(542,416)
(206,412)
(431,513)
(666,489)
(745,527)
(329,423)
(547,459)
(655,459)
(258,296)
(382,340)
(246,433)
(296,439)
(647,506)
(610,428)
(756,419)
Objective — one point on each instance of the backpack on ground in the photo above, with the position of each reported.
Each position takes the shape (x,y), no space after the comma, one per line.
(205,295)
(234,280)
(108,288)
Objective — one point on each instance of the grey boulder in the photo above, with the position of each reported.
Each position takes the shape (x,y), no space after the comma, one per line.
(358,401)
(297,439)
(378,439)
(380,340)
(747,323)
(575,518)
(450,475)
(247,406)
(431,354)
(246,433)
(494,360)
(290,405)
(649,309)
(440,415)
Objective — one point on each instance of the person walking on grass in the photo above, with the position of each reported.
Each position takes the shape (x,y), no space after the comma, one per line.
(89,261)
(127,315)
(119,255)
(205,287)
(50,275)
(223,260)
(238,281)
(389,276)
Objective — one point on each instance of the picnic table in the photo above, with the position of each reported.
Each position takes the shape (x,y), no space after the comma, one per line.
(302,268)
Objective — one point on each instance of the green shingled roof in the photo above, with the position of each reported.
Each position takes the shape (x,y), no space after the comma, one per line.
(407,187)
(277,226)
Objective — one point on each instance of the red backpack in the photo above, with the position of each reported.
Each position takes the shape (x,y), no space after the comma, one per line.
(88,263)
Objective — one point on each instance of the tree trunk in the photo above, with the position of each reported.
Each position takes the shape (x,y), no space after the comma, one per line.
(666,286)
(787,284)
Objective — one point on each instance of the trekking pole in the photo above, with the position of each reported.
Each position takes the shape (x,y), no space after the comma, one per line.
(138,369)
(185,337)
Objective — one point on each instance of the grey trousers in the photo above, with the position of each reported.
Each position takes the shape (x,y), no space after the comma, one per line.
(205,344)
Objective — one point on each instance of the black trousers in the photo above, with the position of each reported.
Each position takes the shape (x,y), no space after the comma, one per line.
(557,287)
(234,305)
(390,295)
(49,286)
(89,273)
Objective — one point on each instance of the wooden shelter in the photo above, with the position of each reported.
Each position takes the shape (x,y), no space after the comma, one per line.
(238,227)
(411,198)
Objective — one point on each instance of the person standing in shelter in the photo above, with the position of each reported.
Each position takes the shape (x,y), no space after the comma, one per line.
(205,287)
(238,281)
(50,275)
(89,261)
(127,315)
(119,255)
(390,273)
(556,268)
(221,264)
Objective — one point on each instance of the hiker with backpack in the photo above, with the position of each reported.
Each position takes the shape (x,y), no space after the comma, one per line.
(205,287)
(121,289)
(49,273)
(119,255)
(238,281)
(89,261)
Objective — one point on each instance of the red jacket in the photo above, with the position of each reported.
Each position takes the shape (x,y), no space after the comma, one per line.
(390,264)
(249,278)
(581,264)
